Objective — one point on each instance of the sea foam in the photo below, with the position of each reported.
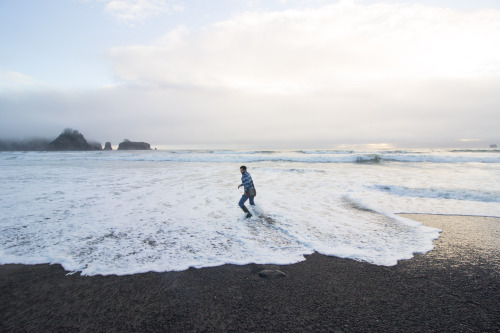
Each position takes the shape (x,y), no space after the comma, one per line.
(130,212)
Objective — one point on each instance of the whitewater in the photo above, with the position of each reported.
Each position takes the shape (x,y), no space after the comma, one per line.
(126,212)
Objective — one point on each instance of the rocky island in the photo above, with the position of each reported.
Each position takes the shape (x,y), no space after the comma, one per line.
(72,140)
(129,145)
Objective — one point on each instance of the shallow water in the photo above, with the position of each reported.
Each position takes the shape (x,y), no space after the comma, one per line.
(127,212)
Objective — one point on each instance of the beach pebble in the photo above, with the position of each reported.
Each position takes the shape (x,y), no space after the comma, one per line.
(271,274)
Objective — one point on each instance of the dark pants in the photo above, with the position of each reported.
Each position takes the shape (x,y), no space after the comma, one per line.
(244,199)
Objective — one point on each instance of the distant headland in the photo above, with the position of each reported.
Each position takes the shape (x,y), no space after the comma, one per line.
(68,140)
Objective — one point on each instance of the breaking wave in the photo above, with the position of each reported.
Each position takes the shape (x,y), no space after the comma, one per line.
(441,193)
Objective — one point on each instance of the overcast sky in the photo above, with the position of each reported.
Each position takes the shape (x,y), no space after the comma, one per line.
(253,73)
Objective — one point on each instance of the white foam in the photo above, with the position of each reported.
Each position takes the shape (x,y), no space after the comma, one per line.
(130,212)
(309,156)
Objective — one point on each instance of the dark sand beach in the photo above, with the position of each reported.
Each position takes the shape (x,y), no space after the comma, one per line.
(454,288)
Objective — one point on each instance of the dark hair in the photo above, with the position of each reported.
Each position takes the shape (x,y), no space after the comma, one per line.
(243,167)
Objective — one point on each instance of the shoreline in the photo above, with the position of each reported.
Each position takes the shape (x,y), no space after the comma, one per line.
(434,214)
(454,287)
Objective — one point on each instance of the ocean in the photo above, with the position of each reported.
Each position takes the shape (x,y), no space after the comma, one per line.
(126,212)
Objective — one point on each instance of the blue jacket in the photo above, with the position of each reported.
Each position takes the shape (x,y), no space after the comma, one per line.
(246,181)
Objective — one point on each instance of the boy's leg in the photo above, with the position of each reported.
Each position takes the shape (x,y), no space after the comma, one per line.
(243,199)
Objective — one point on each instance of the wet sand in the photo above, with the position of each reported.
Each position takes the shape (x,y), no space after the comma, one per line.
(454,288)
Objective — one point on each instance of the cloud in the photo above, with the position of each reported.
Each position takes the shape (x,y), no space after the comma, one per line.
(10,80)
(363,73)
(433,114)
(131,11)
(333,47)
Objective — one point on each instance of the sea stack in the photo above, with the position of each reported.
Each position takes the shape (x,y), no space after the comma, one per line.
(129,145)
(70,140)
(107,146)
